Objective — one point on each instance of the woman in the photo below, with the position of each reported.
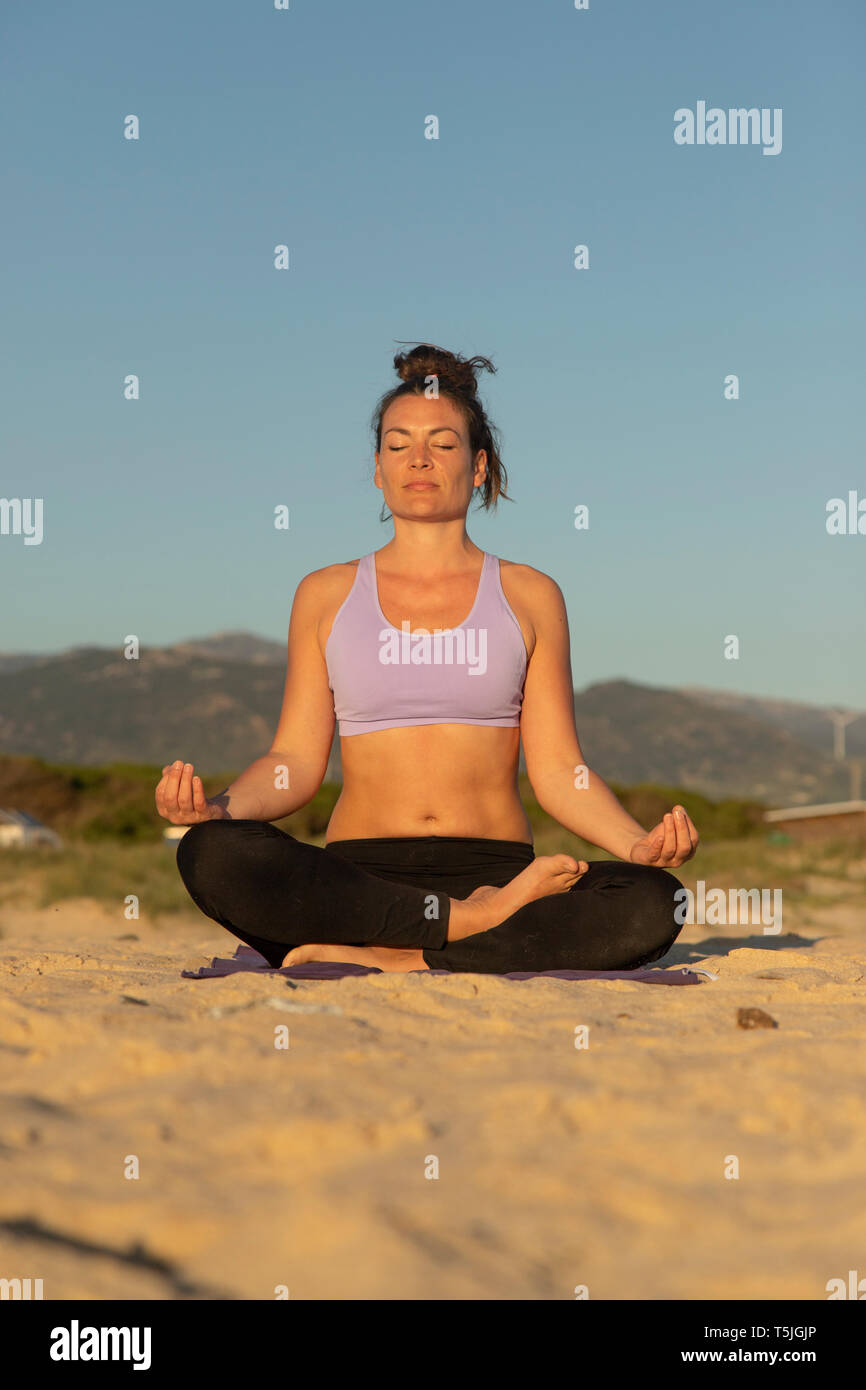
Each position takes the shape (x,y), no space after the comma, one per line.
(436,658)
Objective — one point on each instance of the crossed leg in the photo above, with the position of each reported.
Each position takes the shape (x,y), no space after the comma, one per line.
(267,887)
(275,893)
(617,916)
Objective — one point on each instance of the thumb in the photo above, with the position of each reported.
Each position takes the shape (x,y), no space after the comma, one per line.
(653,841)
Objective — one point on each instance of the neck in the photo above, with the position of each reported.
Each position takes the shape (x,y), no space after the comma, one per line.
(425,547)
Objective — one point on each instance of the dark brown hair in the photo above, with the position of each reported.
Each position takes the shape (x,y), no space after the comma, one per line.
(456,380)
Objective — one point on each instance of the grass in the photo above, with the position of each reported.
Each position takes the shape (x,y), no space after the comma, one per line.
(116,802)
(110,871)
(104,870)
(113,844)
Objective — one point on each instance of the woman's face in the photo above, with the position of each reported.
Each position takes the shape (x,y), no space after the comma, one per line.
(425,467)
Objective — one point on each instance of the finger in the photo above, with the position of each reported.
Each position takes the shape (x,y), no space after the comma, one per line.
(686,822)
(172,783)
(161,789)
(684,844)
(669,844)
(199,800)
(184,795)
(655,839)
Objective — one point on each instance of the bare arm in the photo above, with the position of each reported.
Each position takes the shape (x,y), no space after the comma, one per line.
(291,772)
(570,791)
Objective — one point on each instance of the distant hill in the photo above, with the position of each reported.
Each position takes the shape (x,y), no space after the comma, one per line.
(215,702)
(238,646)
(16,661)
(636,733)
(230,646)
(92,706)
(810,724)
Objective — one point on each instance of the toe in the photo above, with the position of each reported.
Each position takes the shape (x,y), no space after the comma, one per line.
(300,954)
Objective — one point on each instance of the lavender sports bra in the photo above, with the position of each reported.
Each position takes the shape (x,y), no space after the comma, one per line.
(385,678)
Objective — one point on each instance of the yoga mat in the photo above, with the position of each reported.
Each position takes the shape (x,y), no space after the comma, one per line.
(245,959)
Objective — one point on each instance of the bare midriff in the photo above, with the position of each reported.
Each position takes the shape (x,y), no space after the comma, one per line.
(431,779)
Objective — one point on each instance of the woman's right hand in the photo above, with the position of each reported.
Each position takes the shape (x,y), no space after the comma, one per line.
(180,797)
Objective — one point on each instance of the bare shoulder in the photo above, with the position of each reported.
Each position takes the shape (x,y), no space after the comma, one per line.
(537,602)
(319,588)
(530,586)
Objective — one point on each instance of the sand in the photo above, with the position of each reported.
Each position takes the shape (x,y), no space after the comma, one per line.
(304,1169)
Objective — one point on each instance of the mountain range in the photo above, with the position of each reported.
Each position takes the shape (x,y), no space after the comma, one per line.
(215,701)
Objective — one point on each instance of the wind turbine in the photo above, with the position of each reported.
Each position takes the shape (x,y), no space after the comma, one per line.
(841,719)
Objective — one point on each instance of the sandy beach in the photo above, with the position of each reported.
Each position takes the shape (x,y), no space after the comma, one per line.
(304,1167)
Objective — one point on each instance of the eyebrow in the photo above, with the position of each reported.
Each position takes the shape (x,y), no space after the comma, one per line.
(436,429)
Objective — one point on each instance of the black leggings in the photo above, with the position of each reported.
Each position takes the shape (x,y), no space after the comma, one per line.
(275,892)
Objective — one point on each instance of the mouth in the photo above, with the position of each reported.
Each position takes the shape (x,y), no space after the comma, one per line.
(420,487)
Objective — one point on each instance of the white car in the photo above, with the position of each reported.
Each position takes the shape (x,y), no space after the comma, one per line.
(19,830)
(173,833)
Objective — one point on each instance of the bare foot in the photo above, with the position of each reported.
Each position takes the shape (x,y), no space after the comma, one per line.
(483,909)
(381,957)
(488,906)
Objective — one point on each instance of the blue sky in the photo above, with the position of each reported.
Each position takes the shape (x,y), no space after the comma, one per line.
(306,127)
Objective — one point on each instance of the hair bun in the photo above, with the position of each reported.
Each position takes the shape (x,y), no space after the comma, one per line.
(456,381)
(428,360)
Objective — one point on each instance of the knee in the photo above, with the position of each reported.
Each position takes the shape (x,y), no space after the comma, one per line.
(646,892)
(661,889)
(202,850)
(661,894)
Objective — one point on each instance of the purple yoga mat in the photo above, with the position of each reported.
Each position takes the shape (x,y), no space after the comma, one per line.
(245,959)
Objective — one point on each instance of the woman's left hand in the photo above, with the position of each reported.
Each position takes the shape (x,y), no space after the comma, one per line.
(671,842)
